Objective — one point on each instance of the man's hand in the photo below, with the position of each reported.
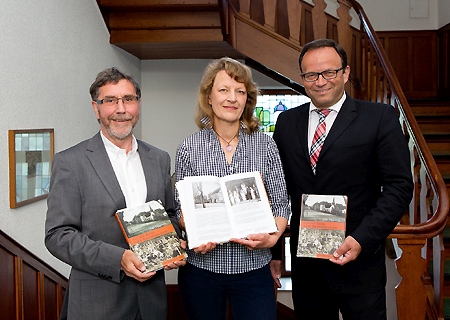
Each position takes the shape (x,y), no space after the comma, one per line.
(134,267)
(347,251)
(275,270)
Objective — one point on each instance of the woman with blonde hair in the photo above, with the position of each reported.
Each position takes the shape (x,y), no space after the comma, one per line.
(238,272)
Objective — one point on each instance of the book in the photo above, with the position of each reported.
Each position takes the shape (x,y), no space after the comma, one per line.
(322,225)
(150,234)
(218,209)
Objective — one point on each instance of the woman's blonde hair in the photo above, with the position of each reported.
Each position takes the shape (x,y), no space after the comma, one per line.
(237,71)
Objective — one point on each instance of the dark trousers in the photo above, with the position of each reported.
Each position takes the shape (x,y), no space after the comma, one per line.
(315,300)
(205,294)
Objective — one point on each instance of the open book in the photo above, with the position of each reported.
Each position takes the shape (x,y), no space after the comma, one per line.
(151,235)
(322,225)
(218,209)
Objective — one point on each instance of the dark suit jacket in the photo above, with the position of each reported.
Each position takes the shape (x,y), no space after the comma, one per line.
(82,231)
(365,157)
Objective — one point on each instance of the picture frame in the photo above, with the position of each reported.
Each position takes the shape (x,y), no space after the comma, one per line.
(30,157)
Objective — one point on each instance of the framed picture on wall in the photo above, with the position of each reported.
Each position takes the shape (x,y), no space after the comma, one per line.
(30,158)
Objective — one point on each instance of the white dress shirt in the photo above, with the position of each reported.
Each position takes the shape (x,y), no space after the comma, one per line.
(129,172)
(329,120)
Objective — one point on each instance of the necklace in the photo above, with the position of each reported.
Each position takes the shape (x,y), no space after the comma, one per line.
(229,147)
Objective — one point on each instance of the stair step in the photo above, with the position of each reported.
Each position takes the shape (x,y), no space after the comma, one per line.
(443,164)
(436,125)
(430,107)
(438,144)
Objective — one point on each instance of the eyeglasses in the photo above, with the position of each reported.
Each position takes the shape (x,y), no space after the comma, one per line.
(126,100)
(327,75)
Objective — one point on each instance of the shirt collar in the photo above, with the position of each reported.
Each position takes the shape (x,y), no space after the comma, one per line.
(337,107)
(114,150)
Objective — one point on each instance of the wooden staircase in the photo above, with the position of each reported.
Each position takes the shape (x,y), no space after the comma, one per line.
(270,33)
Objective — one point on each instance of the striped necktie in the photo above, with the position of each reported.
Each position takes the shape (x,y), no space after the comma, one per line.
(319,138)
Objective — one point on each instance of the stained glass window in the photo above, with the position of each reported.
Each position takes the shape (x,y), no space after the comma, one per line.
(271,105)
(31,153)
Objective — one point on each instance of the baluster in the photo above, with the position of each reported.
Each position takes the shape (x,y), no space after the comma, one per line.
(270,8)
(294,8)
(319,19)
(411,266)
(343,28)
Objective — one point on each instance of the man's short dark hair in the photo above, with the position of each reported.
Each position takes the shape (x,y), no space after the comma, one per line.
(322,43)
(111,75)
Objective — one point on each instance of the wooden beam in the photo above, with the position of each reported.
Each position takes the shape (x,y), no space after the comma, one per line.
(163,20)
(184,35)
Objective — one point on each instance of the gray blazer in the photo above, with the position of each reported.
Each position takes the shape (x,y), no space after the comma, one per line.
(82,231)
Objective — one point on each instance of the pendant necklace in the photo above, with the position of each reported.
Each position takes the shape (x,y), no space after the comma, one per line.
(229,147)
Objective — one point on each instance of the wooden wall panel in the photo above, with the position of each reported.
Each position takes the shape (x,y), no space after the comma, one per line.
(30,289)
(30,292)
(414,56)
(8,294)
(444,61)
(424,75)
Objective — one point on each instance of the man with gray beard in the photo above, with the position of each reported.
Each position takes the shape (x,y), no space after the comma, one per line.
(89,183)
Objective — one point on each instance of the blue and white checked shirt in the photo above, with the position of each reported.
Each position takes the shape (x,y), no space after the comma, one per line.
(201,154)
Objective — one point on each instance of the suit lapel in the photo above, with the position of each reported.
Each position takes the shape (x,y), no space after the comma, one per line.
(99,159)
(346,116)
(302,124)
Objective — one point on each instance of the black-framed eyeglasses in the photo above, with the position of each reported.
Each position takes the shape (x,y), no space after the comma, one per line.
(111,101)
(326,74)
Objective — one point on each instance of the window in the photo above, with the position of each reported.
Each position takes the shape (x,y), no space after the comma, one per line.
(269,107)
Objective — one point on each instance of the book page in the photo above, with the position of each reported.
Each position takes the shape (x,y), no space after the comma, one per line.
(322,225)
(218,209)
(248,204)
(204,211)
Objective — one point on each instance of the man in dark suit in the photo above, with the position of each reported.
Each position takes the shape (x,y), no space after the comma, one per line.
(90,182)
(365,157)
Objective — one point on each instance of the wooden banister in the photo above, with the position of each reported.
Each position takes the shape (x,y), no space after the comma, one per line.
(419,235)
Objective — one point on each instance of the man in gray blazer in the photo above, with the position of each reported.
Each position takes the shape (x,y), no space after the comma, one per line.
(90,182)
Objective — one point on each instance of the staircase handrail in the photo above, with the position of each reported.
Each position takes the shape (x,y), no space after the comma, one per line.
(437,222)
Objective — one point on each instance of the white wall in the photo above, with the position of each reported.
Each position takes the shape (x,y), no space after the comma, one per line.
(395,15)
(50,53)
(443,12)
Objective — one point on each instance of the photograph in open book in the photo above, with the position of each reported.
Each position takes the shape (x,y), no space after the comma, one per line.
(150,234)
(322,225)
(241,191)
(207,194)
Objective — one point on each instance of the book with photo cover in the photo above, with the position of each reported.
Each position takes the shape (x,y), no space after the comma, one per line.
(150,234)
(322,225)
(218,209)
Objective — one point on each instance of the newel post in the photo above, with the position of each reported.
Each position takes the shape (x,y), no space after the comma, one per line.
(411,291)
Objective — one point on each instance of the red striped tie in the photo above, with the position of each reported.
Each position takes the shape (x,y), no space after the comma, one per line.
(319,138)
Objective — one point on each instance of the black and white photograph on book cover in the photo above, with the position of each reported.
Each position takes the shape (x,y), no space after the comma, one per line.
(149,216)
